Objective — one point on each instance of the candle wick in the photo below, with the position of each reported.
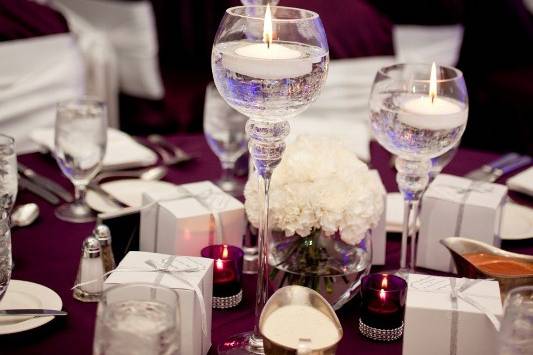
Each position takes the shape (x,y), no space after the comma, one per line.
(268,44)
(432,98)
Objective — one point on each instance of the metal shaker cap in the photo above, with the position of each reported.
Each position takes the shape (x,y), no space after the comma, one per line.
(91,248)
(103,234)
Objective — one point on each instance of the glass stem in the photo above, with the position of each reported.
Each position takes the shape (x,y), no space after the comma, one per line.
(80,191)
(227,170)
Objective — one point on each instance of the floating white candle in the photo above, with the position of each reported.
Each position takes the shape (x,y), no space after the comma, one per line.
(288,324)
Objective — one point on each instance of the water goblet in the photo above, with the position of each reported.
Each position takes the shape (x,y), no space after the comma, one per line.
(269,63)
(516,333)
(137,318)
(224,130)
(417,112)
(80,144)
(8,174)
(6,262)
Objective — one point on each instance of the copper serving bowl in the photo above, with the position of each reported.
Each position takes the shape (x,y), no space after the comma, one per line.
(461,246)
(297,295)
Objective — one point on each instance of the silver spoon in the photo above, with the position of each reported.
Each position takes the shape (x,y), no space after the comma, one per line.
(155,173)
(24,215)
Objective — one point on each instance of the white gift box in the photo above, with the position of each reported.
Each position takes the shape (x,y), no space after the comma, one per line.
(379,234)
(192,338)
(454,206)
(438,323)
(184,222)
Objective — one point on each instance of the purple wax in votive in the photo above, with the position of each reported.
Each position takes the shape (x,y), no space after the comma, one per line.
(227,268)
(383,300)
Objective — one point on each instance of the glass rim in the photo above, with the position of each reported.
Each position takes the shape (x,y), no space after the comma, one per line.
(8,140)
(313,15)
(87,99)
(136,284)
(458,73)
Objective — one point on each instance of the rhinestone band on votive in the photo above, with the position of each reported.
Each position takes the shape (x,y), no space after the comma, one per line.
(380,334)
(227,302)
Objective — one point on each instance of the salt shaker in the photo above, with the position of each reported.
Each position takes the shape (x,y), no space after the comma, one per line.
(103,234)
(90,279)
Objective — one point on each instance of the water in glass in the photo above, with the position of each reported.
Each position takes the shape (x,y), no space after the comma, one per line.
(5,256)
(8,173)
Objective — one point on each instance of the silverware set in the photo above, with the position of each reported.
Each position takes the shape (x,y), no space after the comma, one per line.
(492,171)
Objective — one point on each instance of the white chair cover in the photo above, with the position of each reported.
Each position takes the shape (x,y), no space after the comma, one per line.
(35,74)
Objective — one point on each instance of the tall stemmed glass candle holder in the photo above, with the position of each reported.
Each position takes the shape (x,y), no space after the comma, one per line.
(417,112)
(269,77)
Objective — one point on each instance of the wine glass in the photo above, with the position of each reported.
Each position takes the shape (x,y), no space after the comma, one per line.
(269,63)
(80,144)
(224,130)
(516,333)
(417,112)
(6,262)
(8,174)
(137,318)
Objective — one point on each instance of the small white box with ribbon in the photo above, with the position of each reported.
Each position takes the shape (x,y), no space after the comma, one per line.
(194,216)
(454,206)
(446,316)
(190,277)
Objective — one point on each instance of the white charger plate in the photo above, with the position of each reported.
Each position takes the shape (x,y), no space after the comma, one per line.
(25,294)
(517,222)
(127,191)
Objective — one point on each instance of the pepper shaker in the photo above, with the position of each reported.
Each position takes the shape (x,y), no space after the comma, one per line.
(90,278)
(103,234)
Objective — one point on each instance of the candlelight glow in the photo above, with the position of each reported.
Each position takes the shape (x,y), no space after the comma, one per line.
(384,282)
(433,82)
(267,27)
(219,264)
(225,252)
(382,294)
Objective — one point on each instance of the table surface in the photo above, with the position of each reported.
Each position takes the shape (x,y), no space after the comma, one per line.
(48,253)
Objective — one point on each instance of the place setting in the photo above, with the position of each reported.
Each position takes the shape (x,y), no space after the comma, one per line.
(247,239)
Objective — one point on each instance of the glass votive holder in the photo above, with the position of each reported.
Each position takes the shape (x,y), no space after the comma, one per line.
(382,306)
(227,271)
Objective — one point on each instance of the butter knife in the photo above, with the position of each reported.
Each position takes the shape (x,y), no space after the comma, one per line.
(45,182)
(100,191)
(486,170)
(32,312)
(25,183)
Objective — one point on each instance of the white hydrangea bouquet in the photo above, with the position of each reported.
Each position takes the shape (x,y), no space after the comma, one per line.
(323,202)
(319,184)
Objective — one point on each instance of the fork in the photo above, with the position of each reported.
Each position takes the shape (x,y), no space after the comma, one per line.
(163,145)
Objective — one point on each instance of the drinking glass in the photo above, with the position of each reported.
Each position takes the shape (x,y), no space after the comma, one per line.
(80,144)
(417,112)
(224,130)
(269,63)
(137,318)
(516,333)
(8,174)
(6,262)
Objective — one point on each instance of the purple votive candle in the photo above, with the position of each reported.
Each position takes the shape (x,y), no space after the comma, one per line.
(227,268)
(383,301)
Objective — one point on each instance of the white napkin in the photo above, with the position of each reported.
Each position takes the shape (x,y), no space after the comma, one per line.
(122,150)
(522,182)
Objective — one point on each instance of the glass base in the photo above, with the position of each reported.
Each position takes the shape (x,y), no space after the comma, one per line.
(242,344)
(75,213)
(231,186)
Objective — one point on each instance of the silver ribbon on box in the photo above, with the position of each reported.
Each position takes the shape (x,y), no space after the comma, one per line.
(457,292)
(210,199)
(167,267)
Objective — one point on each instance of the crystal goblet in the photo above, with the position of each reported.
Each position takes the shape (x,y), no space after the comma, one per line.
(269,63)
(417,112)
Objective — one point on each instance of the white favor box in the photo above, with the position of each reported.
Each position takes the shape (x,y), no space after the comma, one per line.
(379,234)
(192,339)
(179,224)
(454,206)
(430,315)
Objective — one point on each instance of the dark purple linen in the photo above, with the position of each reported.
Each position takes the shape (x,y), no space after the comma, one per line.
(48,253)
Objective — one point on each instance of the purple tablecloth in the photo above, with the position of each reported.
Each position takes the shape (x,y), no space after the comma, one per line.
(48,253)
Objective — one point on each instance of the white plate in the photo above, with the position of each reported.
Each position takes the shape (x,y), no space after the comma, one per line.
(24,294)
(128,191)
(517,222)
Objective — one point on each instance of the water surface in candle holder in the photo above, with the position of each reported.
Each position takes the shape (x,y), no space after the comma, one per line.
(383,301)
(227,268)
(288,324)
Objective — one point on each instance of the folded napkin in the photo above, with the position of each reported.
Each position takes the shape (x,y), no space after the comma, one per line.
(522,182)
(122,150)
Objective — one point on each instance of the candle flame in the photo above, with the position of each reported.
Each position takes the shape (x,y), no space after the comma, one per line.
(225,252)
(219,264)
(384,282)
(267,27)
(433,82)
(382,294)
